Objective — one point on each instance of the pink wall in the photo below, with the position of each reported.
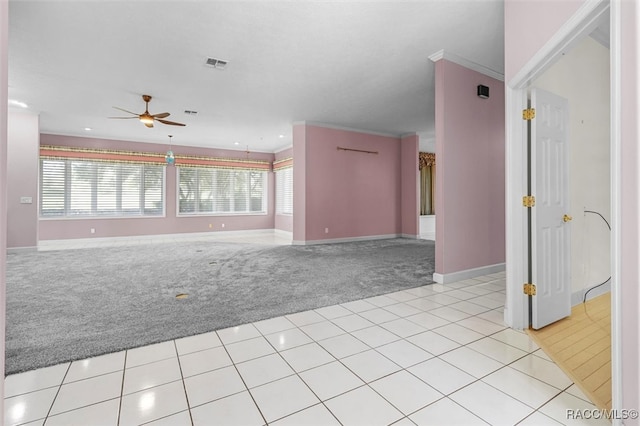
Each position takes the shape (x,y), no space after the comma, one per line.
(51,229)
(528,25)
(4,88)
(300,183)
(284,222)
(470,218)
(528,28)
(22,179)
(347,194)
(410,195)
(630,208)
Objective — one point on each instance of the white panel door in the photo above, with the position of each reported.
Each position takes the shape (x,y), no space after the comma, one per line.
(551,221)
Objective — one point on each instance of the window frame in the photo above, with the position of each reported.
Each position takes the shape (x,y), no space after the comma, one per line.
(197,202)
(94,195)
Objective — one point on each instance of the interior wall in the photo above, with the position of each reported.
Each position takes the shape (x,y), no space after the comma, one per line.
(582,77)
(54,229)
(470,218)
(345,195)
(4,89)
(410,186)
(628,197)
(530,26)
(22,179)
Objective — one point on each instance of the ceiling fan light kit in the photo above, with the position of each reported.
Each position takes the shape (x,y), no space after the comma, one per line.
(148,119)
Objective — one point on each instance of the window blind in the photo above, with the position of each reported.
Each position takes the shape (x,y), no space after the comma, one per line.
(76,188)
(219,191)
(284,191)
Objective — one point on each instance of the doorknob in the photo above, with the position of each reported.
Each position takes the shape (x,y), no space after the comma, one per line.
(566,218)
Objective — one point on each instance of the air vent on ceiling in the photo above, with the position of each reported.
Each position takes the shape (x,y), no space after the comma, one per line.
(216,63)
(189,112)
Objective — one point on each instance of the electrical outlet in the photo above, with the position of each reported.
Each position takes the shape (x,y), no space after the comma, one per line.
(93,230)
(223,225)
(326,230)
(210,226)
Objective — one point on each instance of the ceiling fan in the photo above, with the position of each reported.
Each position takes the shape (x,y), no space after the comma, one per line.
(146,118)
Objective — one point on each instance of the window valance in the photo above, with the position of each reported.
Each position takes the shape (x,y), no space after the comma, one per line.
(282,164)
(112,156)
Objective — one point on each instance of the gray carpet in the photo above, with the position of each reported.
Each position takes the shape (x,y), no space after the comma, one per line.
(73,304)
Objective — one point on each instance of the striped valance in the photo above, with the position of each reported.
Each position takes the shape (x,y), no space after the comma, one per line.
(64,152)
(282,164)
(59,152)
(426,159)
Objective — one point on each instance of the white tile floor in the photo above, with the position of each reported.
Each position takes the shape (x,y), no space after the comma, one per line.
(429,355)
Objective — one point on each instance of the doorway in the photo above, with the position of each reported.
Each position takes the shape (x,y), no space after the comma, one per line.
(591,186)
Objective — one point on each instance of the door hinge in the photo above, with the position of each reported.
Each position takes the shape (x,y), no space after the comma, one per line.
(528,201)
(529,289)
(528,114)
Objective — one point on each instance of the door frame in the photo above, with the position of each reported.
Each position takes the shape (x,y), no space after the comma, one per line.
(573,31)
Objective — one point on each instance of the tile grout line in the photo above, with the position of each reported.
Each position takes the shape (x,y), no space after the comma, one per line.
(184,386)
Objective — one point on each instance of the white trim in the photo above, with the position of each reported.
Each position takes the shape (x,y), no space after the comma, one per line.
(44,244)
(468,273)
(283,234)
(345,240)
(515,312)
(410,236)
(451,57)
(616,199)
(348,129)
(21,249)
(583,21)
(578,296)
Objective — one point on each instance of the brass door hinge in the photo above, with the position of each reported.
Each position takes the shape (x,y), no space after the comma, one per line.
(529,289)
(528,201)
(528,114)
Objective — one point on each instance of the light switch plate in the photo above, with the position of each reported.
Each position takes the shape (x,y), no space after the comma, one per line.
(26,200)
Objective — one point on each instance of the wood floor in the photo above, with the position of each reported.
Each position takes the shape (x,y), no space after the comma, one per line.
(581,346)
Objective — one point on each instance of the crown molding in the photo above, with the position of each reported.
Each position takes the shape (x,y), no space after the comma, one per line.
(452,57)
(349,129)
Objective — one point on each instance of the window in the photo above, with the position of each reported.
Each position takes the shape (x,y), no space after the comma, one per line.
(219,191)
(284,191)
(73,188)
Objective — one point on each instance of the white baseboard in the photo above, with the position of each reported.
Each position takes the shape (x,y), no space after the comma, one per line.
(185,235)
(410,236)
(345,240)
(283,234)
(468,273)
(21,249)
(578,296)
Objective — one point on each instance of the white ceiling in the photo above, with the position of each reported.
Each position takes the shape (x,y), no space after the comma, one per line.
(357,64)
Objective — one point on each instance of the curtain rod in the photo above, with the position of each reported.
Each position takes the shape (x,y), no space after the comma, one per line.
(356,150)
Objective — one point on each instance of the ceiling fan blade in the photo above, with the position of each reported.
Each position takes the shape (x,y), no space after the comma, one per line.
(171,123)
(161,115)
(123,118)
(122,109)
(148,124)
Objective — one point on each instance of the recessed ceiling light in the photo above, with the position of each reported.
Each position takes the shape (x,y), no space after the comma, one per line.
(281,136)
(236,143)
(88,129)
(13,102)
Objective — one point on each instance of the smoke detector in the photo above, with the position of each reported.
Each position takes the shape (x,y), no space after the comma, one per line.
(216,63)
